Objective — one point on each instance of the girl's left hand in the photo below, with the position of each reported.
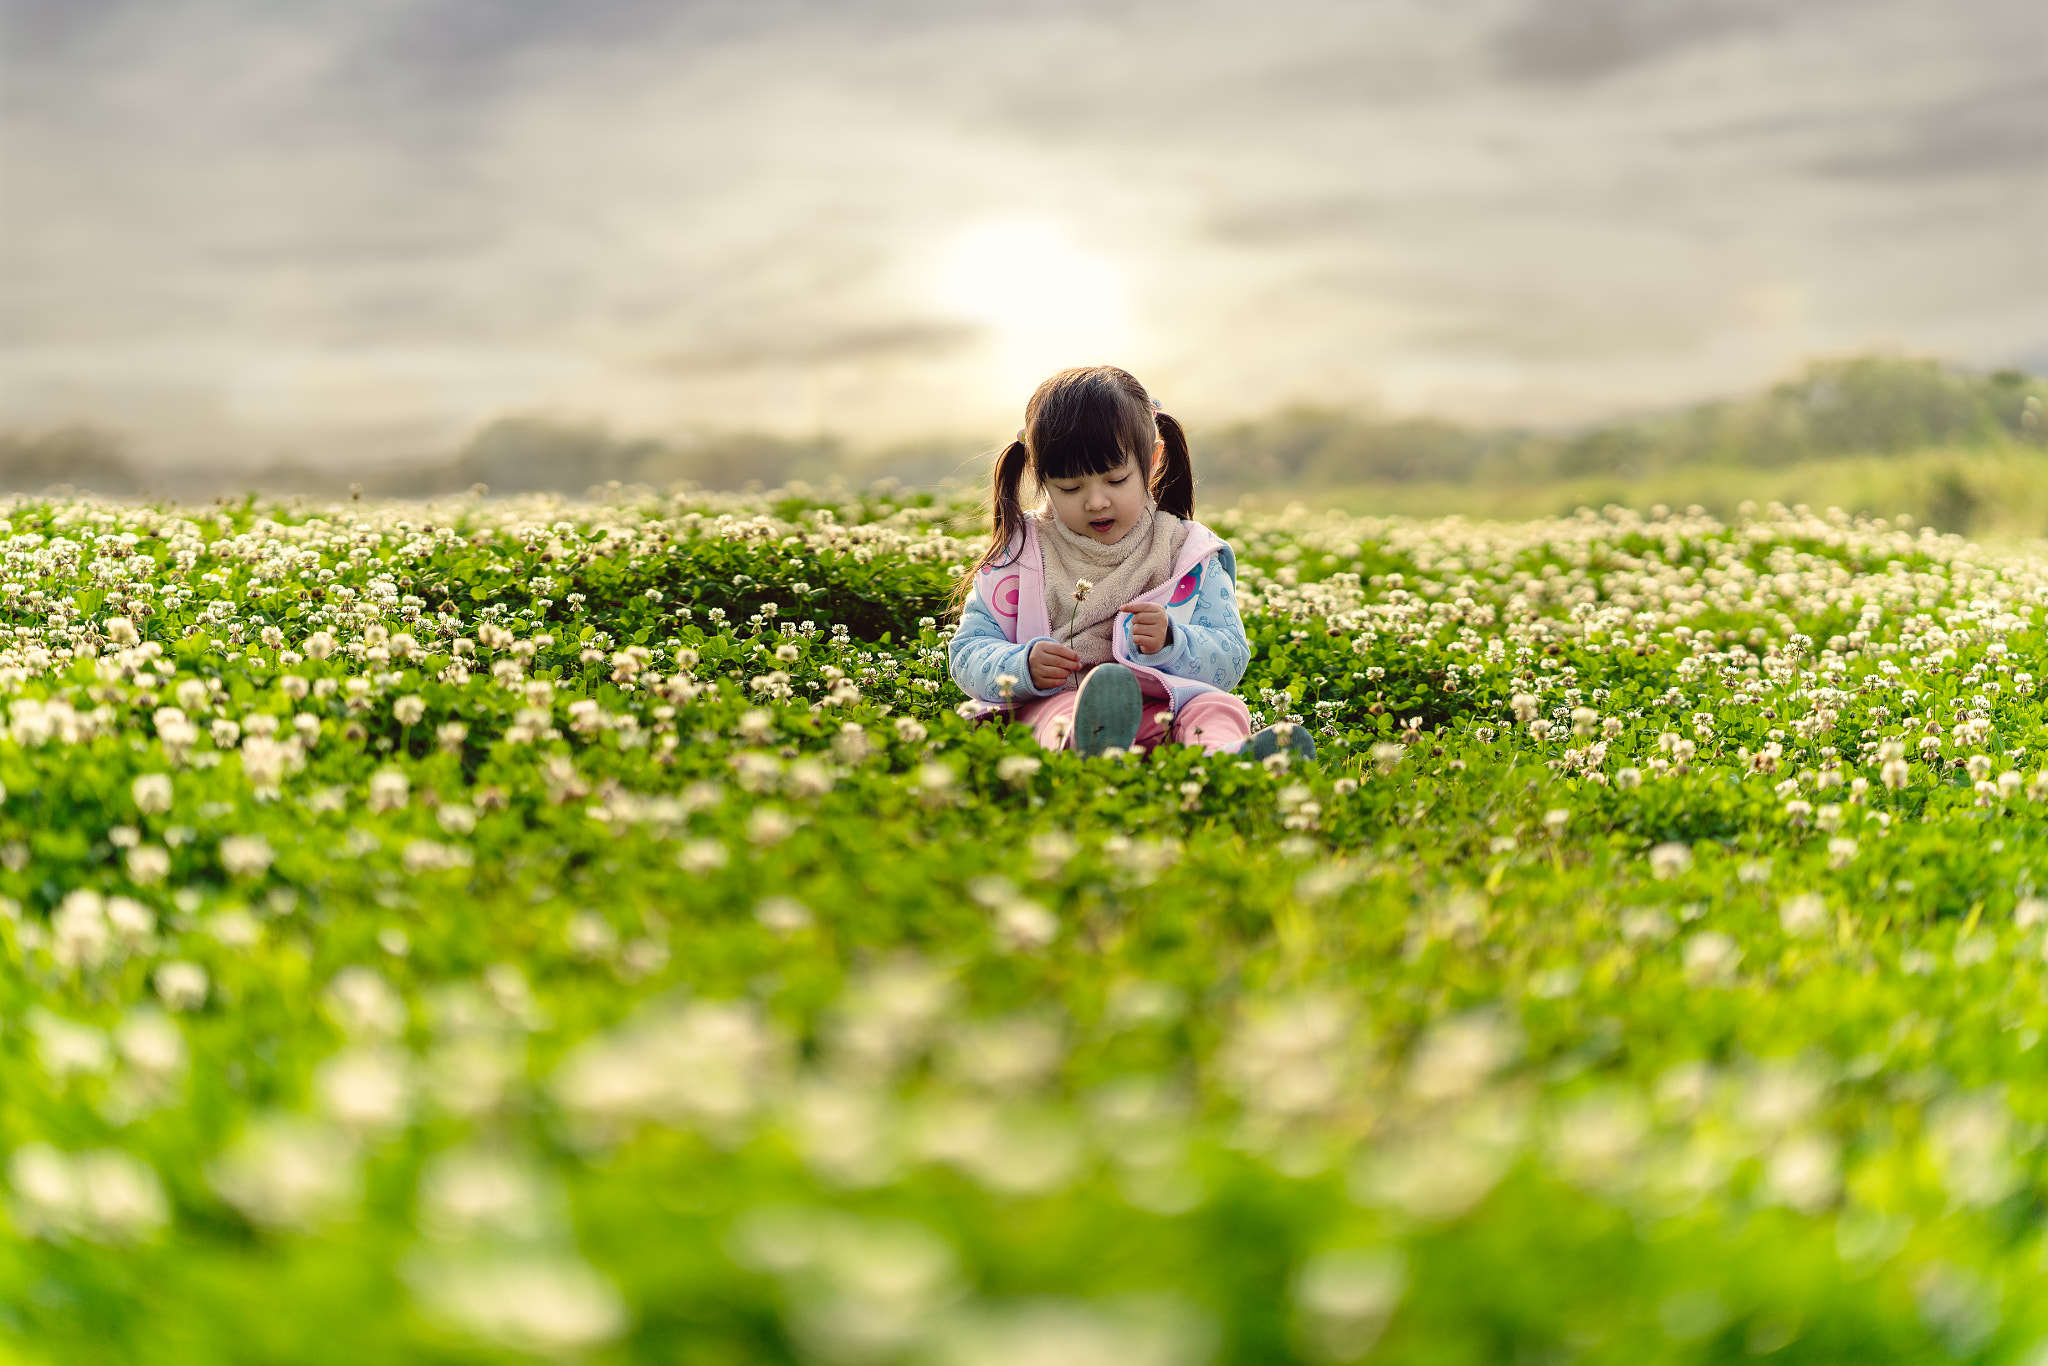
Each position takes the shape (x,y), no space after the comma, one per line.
(1150,630)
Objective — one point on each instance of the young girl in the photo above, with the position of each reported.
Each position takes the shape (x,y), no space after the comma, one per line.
(1107,617)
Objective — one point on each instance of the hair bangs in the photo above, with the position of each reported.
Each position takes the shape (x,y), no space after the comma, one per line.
(1085,421)
(1089,448)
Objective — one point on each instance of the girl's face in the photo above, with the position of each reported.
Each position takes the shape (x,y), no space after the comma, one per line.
(1103,507)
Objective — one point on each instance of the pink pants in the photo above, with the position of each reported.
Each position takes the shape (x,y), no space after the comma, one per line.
(1217,721)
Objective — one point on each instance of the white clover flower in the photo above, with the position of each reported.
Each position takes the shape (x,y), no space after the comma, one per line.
(768,825)
(1459,1054)
(482,1193)
(245,855)
(910,731)
(1017,769)
(1803,916)
(409,710)
(103,1195)
(80,936)
(709,1064)
(152,793)
(235,928)
(540,1300)
(702,856)
(1710,956)
(784,914)
(1024,926)
(1804,1172)
(148,864)
(1669,860)
(390,789)
(851,745)
(1343,1299)
(1971,1141)
(807,778)
(151,1043)
(181,986)
(130,921)
(319,645)
(366,1090)
(457,818)
(66,1048)
(364,1004)
(431,856)
(590,936)
(290,1173)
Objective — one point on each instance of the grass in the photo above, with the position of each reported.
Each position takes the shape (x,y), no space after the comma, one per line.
(1998,494)
(498,930)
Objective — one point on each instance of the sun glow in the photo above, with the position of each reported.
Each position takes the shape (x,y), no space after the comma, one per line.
(1043,301)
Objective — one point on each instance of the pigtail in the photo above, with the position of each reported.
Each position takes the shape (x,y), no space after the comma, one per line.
(1173,480)
(1006,511)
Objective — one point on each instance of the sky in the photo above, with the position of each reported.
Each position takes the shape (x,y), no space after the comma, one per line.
(354,230)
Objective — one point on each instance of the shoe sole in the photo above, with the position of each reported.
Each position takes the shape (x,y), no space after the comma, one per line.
(1265,743)
(1109,710)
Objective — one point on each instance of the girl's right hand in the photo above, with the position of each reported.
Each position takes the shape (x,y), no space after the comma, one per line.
(1051,665)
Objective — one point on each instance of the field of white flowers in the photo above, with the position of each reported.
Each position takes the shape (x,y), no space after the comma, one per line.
(474,931)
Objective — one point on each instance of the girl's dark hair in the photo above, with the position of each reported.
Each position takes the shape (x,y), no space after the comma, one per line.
(1085,421)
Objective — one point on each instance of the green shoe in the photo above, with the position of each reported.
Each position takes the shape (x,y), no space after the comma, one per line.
(1109,710)
(1278,736)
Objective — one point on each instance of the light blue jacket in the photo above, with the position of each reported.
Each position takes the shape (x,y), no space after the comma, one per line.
(1005,615)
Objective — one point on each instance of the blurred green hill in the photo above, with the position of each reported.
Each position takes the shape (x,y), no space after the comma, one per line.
(1886,434)
(1880,406)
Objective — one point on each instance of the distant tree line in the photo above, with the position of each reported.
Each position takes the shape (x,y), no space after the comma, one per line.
(82,456)
(1862,405)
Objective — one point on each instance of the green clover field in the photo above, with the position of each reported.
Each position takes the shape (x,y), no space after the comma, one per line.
(502,930)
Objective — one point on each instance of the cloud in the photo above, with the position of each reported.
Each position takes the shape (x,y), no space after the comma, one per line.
(2003,130)
(906,340)
(1573,41)
(245,225)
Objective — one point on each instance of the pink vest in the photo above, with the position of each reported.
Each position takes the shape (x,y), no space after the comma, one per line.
(1014,590)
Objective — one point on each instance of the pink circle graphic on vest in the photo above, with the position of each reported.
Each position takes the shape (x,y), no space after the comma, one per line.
(1189,585)
(1006,597)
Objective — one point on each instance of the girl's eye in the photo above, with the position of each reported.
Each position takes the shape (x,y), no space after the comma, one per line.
(1068,490)
(1119,481)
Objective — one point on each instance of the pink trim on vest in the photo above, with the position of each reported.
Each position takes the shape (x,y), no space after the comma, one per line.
(1024,576)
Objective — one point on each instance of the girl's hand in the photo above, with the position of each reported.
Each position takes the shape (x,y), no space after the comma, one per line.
(1051,665)
(1150,630)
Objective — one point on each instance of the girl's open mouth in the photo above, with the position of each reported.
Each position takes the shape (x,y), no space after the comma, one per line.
(1102,524)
